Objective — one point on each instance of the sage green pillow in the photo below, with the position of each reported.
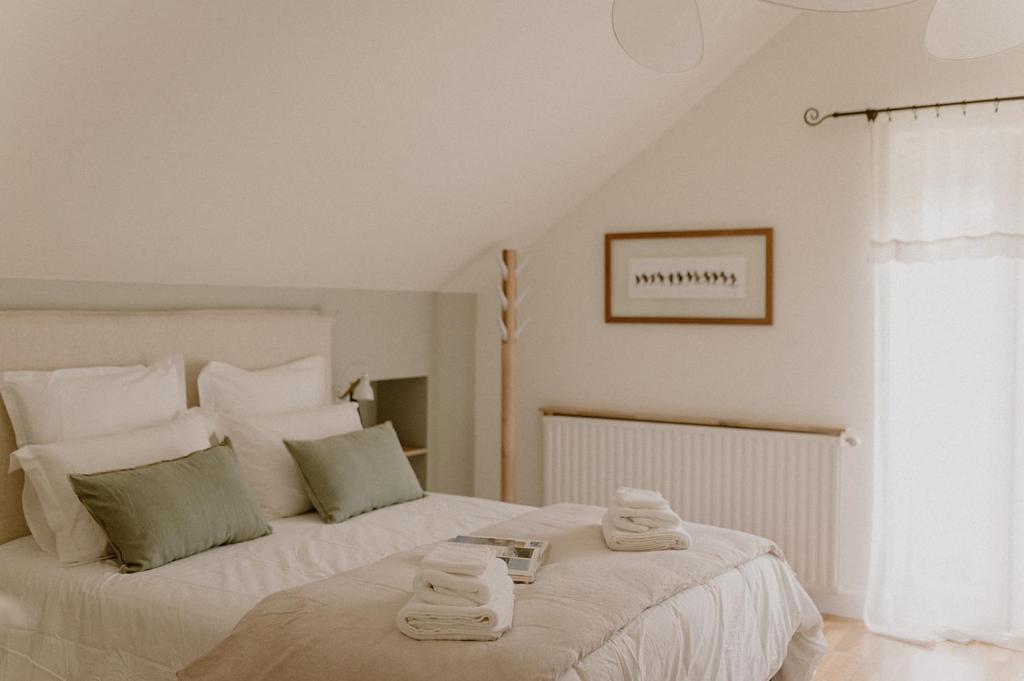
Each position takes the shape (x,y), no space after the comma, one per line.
(168,510)
(346,475)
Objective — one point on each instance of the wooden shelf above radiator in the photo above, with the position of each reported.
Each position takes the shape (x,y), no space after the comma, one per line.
(832,431)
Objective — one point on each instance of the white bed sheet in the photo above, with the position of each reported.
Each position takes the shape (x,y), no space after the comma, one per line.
(91,623)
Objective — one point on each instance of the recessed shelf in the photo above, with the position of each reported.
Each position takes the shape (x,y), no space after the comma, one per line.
(403,401)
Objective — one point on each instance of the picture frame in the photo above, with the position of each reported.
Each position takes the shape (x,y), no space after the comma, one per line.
(709,276)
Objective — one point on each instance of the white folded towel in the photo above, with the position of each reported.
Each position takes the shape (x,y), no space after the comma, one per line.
(444,588)
(642,519)
(631,497)
(651,540)
(458,559)
(431,622)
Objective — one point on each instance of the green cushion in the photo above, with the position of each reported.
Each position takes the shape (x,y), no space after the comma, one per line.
(349,474)
(168,510)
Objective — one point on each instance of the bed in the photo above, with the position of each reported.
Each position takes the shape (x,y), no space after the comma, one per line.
(751,622)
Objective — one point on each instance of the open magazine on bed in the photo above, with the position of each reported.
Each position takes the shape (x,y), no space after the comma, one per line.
(523,556)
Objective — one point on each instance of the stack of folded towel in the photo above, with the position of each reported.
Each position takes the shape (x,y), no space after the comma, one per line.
(642,520)
(461,593)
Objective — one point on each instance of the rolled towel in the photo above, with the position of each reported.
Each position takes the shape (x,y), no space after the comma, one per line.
(651,540)
(631,497)
(431,622)
(642,519)
(443,588)
(458,559)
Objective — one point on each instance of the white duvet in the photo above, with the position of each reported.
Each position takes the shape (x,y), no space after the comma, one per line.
(91,623)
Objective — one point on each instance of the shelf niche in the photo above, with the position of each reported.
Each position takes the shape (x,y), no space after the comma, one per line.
(403,401)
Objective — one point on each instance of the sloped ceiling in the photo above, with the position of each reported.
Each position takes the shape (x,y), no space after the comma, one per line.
(362,144)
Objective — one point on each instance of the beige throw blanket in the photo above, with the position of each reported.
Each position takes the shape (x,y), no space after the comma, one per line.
(343,627)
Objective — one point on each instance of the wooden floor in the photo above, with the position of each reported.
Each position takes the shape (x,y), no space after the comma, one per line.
(855,654)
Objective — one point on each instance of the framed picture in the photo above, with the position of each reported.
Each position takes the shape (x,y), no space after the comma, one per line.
(714,276)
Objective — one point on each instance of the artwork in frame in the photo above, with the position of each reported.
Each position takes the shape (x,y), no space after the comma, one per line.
(713,276)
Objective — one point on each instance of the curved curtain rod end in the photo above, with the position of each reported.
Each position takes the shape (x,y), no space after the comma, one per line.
(813,117)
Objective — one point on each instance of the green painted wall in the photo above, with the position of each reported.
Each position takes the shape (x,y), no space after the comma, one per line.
(391,334)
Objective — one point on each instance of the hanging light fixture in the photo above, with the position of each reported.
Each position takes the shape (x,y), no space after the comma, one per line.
(666,35)
(967,29)
(957,29)
(840,5)
(662,35)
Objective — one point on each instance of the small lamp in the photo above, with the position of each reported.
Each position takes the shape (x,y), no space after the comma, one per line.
(363,391)
(359,390)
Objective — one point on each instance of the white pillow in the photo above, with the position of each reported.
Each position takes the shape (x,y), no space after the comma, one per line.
(76,536)
(70,404)
(269,469)
(36,519)
(301,384)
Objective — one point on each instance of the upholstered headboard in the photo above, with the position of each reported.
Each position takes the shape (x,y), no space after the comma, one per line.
(53,340)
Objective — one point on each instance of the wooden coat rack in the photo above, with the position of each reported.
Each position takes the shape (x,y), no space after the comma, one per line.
(510,327)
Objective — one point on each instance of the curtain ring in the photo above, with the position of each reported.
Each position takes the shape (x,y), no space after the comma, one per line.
(936,110)
(997,105)
(915,113)
(964,105)
(888,112)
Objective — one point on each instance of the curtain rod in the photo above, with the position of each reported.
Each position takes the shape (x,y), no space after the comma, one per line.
(813,117)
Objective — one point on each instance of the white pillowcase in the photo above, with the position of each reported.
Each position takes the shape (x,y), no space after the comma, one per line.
(301,384)
(76,536)
(70,404)
(269,469)
(32,507)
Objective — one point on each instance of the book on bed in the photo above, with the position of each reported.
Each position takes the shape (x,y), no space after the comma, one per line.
(523,556)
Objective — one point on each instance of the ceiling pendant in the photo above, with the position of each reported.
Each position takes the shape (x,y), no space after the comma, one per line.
(663,35)
(957,29)
(967,29)
(840,5)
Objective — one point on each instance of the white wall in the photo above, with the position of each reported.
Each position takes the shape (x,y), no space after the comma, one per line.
(743,157)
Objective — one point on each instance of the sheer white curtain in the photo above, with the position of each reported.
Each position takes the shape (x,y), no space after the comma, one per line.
(948,537)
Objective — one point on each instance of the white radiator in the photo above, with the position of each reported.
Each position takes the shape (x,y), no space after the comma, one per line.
(784,486)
